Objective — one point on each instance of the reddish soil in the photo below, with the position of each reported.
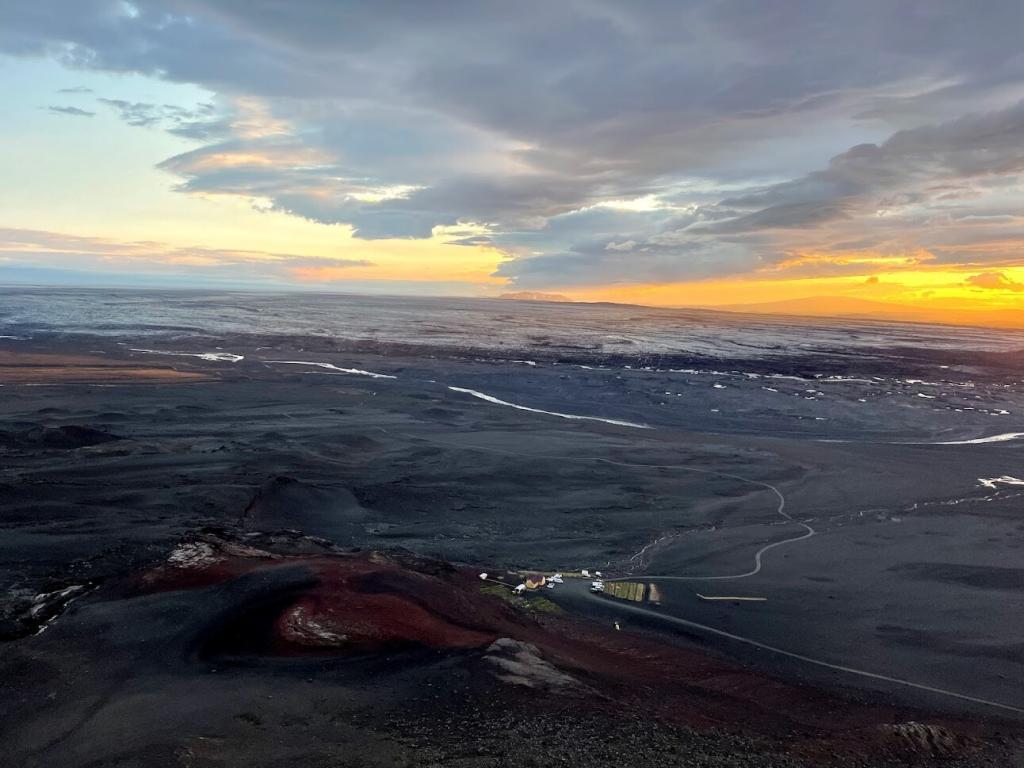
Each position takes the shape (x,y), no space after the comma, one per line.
(369,603)
(31,368)
(354,604)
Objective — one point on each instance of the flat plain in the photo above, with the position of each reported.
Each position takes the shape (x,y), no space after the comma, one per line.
(224,543)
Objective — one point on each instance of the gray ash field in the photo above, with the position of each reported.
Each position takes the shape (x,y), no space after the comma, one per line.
(181,473)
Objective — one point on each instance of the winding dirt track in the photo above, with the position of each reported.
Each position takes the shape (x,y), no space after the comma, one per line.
(674,620)
(780,509)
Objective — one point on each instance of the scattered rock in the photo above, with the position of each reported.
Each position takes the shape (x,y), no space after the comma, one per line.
(923,739)
(193,554)
(23,615)
(298,626)
(210,550)
(520,663)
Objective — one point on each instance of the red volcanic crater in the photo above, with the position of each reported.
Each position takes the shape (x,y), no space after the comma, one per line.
(285,595)
(366,604)
(341,603)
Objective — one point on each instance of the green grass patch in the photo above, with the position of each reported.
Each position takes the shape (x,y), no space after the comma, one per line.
(529,602)
(500,592)
(542,605)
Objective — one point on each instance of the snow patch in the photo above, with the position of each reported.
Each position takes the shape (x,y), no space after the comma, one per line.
(496,401)
(1003,438)
(213,357)
(991,482)
(335,368)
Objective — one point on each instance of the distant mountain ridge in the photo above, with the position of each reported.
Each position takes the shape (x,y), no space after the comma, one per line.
(535,296)
(845,306)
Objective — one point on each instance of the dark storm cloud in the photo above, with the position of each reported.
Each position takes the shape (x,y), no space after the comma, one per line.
(960,150)
(399,117)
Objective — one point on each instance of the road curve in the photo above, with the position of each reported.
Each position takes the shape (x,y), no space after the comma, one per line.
(693,625)
(780,509)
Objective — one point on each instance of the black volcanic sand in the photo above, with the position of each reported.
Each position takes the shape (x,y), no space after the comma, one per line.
(915,571)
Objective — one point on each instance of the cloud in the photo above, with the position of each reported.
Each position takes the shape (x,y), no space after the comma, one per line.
(79,89)
(585,266)
(742,136)
(625,245)
(56,250)
(994,281)
(134,113)
(201,122)
(912,167)
(894,196)
(74,111)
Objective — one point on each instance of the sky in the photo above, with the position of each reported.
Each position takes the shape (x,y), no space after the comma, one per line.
(664,152)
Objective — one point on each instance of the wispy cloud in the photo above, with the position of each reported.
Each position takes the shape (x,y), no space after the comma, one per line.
(201,122)
(60,250)
(74,111)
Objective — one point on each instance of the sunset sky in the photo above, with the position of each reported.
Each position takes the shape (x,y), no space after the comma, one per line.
(662,152)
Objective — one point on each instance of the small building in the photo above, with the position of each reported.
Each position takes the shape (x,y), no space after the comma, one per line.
(535,582)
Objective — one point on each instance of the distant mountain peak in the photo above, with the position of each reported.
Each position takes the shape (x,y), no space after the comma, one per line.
(534,296)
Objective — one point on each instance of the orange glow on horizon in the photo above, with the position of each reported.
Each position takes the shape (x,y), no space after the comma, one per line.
(935,295)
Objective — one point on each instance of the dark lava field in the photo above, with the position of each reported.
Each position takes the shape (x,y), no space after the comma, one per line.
(226,544)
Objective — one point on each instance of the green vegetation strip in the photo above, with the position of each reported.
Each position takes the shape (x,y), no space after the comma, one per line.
(533,602)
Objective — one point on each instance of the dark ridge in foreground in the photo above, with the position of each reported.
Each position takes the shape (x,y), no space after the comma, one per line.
(271,647)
